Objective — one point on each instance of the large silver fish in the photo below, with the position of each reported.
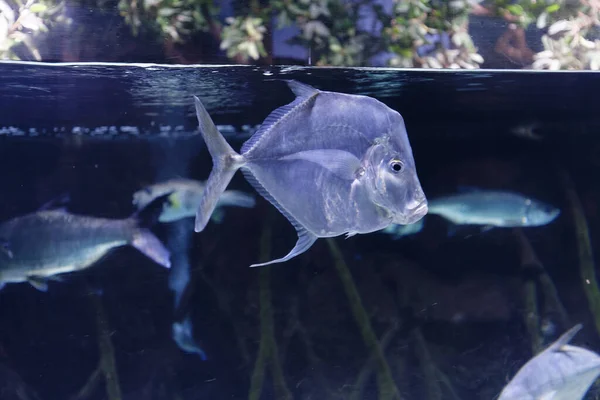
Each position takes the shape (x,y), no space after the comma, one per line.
(561,372)
(185,199)
(493,208)
(331,163)
(41,245)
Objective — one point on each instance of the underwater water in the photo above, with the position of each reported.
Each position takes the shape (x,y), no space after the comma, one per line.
(446,312)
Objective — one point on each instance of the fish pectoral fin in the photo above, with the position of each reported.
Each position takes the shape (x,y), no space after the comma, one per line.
(350,234)
(341,163)
(5,247)
(39,283)
(305,241)
(452,229)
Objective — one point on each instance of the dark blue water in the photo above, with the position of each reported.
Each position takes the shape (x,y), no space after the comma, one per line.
(445,309)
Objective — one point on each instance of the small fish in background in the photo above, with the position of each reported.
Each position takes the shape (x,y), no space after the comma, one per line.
(185,199)
(400,231)
(183,337)
(39,246)
(331,163)
(492,208)
(561,372)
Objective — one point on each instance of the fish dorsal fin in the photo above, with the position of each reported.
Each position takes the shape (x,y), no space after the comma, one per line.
(303,94)
(57,203)
(565,338)
(305,238)
(301,89)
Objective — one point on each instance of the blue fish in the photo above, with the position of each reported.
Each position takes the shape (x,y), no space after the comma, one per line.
(493,208)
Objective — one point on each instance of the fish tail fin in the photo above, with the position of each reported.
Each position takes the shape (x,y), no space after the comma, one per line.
(143,239)
(225,163)
(149,245)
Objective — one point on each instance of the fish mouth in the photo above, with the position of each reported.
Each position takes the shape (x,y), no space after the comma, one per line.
(414,214)
(419,211)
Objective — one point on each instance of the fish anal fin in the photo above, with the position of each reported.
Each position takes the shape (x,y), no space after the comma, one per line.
(305,241)
(341,163)
(39,283)
(305,238)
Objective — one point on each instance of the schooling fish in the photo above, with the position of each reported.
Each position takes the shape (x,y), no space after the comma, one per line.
(331,163)
(561,372)
(493,208)
(41,245)
(185,199)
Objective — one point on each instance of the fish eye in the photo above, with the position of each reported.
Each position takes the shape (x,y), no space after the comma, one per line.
(396,166)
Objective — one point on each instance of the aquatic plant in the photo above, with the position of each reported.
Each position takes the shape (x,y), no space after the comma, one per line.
(22,22)
(587,269)
(243,38)
(431,34)
(177,20)
(385,383)
(570,27)
(268,354)
(413,33)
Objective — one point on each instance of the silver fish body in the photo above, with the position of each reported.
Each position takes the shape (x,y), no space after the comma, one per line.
(561,372)
(493,208)
(48,243)
(185,198)
(331,163)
